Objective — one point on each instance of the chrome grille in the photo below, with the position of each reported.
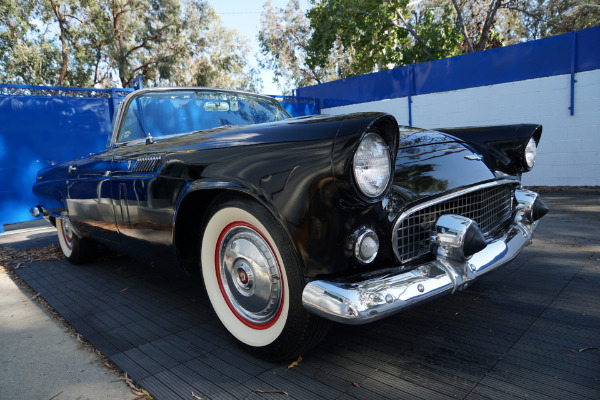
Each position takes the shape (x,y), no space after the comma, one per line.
(488,207)
(146,164)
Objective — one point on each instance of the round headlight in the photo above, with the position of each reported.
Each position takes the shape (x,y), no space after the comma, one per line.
(530,152)
(372,165)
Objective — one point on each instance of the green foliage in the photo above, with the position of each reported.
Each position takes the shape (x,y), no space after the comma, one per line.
(382,33)
(219,58)
(542,18)
(283,41)
(112,42)
(439,33)
(27,55)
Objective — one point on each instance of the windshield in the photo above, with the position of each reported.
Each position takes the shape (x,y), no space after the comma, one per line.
(164,113)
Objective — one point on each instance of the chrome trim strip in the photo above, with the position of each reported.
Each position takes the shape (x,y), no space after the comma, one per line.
(440,200)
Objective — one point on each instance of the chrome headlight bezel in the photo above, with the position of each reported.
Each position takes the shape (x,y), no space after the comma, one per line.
(372,172)
(529,153)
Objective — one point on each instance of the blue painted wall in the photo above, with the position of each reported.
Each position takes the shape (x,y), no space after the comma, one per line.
(299,106)
(545,57)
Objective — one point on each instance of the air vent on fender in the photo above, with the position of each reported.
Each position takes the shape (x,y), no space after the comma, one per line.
(147,164)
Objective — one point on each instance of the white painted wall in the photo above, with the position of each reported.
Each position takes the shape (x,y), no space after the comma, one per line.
(569,152)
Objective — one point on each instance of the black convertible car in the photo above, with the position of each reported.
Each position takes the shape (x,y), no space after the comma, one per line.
(296,222)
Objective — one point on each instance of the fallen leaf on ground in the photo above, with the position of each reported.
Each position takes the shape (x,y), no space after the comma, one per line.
(270,391)
(196,397)
(292,365)
(33,298)
(589,348)
(122,290)
(355,384)
(9,255)
(56,395)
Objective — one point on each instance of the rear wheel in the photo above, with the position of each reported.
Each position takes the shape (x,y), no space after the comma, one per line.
(77,250)
(254,282)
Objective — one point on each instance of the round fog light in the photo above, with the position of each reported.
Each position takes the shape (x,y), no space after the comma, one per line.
(366,246)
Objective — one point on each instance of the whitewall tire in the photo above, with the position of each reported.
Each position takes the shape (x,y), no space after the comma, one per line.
(254,281)
(65,237)
(77,250)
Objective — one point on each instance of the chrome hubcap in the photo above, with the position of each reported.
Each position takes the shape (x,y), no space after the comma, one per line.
(250,275)
(68,233)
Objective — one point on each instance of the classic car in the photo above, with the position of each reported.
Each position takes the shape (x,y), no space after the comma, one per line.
(292,223)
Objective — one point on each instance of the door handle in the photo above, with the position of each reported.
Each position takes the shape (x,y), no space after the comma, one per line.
(73,168)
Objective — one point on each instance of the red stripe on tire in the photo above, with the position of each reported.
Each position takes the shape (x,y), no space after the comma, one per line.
(222,289)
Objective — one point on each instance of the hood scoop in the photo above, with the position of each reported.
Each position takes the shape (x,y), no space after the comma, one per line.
(147,164)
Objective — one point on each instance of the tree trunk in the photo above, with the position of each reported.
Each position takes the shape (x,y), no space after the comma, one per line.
(63,42)
(487,27)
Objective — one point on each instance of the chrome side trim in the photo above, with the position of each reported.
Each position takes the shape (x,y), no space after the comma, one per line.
(376,297)
(437,200)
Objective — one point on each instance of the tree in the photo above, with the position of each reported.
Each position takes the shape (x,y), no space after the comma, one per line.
(27,54)
(382,33)
(217,56)
(284,39)
(112,42)
(141,37)
(477,29)
(542,18)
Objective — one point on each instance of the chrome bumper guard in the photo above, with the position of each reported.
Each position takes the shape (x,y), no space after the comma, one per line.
(383,295)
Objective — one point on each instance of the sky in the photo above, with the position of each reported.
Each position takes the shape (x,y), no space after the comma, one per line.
(244,16)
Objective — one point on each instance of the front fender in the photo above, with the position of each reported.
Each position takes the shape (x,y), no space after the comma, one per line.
(502,147)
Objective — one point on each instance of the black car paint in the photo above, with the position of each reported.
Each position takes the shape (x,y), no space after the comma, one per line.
(300,169)
(501,146)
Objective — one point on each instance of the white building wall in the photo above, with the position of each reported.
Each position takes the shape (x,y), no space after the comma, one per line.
(569,152)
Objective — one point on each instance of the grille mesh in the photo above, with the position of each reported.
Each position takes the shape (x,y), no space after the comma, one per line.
(488,207)
(146,164)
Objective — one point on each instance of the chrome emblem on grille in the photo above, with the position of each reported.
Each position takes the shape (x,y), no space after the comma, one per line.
(474,157)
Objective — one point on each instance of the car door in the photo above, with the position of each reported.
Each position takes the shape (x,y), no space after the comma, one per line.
(143,198)
(89,197)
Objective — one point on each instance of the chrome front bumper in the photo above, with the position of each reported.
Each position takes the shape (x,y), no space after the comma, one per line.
(376,297)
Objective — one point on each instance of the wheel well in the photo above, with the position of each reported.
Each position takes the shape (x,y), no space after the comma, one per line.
(190,221)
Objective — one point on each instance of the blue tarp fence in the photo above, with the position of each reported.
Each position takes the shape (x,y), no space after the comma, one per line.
(42,126)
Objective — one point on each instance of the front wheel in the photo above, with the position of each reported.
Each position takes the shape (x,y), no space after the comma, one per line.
(254,282)
(77,250)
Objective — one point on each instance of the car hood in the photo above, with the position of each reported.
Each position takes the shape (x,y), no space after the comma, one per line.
(429,163)
(291,130)
(410,137)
